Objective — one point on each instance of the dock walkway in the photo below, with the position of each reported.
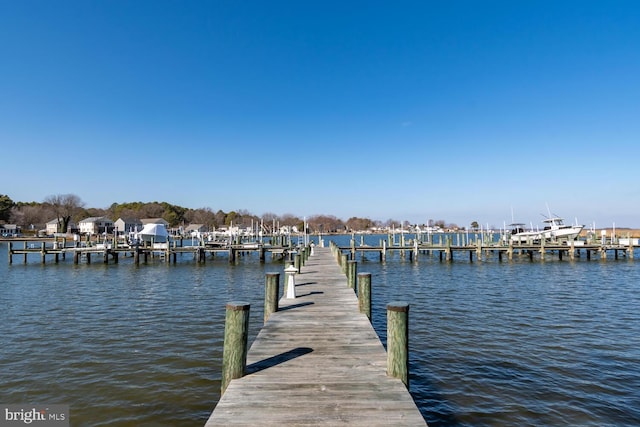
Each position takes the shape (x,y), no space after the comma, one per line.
(317,361)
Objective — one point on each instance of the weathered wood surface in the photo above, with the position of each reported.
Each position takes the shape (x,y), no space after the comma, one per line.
(317,361)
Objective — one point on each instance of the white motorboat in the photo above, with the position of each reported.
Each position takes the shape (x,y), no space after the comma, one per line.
(554,230)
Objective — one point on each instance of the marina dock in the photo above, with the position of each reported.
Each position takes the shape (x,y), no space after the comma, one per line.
(447,247)
(317,361)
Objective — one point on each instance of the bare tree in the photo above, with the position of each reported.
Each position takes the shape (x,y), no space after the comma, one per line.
(30,215)
(64,207)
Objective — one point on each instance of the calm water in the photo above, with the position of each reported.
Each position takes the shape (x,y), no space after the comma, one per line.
(511,343)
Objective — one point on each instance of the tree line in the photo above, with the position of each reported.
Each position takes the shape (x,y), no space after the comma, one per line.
(68,208)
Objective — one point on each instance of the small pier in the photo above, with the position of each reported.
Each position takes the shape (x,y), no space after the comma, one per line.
(317,361)
(445,250)
(108,252)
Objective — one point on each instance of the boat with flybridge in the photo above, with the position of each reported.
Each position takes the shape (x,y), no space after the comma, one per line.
(554,230)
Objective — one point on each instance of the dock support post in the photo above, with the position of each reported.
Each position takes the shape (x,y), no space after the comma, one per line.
(271,294)
(234,353)
(398,341)
(10,252)
(297,261)
(364,293)
(343,263)
(43,252)
(232,256)
(352,268)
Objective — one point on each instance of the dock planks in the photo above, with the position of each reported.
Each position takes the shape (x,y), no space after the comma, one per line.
(317,361)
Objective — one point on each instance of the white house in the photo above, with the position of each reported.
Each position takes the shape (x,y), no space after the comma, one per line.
(126,225)
(96,225)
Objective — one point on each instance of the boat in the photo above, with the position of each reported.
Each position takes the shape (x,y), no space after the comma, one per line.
(153,233)
(554,230)
(518,234)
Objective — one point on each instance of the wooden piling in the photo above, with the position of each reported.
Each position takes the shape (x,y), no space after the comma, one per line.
(297,261)
(364,293)
(234,354)
(352,269)
(398,341)
(343,263)
(271,294)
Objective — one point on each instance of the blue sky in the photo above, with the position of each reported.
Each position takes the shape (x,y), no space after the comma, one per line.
(412,110)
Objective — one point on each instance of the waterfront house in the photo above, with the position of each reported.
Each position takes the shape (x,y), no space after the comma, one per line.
(127,225)
(54,226)
(146,221)
(96,225)
(10,230)
(195,228)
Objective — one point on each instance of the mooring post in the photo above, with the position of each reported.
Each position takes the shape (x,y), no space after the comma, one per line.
(234,353)
(364,293)
(398,341)
(271,294)
(10,252)
(343,263)
(290,287)
(352,268)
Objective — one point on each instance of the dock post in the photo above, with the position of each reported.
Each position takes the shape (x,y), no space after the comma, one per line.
(271,294)
(364,293)
(10,252)
(352,268)
(234,353)
(43,252)
(398,341)
(76,257)
(343,263)
(297,261)
(232,255)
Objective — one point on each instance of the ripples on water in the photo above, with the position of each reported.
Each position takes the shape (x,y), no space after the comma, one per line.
(511,343)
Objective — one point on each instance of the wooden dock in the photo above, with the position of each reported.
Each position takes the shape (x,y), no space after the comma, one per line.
(317,361)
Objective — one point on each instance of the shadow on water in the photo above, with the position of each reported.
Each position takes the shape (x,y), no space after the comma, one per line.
(277,359)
